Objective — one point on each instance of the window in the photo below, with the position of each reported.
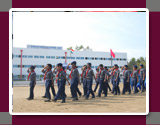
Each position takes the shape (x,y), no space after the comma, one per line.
(82,57)
(92,67)
(48,57)
(36,56)
(106,58)
(62,57)
(117,59)
(16,56)
(15,66)
(24,56)
(30,56)
(78,57)
(52,57)
(97,58)
(25,66)
(41,56)
(57,57)
(123,59)
(68,57)
(72,57)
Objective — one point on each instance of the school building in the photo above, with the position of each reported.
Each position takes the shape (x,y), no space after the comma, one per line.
(39,56)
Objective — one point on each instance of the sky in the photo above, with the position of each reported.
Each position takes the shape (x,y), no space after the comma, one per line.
(101,31)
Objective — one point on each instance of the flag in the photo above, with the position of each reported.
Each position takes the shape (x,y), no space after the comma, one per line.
(112,54)
(71,50)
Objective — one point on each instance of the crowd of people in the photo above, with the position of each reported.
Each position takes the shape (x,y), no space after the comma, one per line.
(102,78)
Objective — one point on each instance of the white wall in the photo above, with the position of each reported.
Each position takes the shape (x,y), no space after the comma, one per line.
(49,52)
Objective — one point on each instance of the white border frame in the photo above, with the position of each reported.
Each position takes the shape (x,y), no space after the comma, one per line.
(77,9)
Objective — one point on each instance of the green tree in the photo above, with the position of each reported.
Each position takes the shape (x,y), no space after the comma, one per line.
(137,62)
(131,63)
(78,48)
(69,48)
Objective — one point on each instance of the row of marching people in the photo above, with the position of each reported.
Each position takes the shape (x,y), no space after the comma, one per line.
(102,78)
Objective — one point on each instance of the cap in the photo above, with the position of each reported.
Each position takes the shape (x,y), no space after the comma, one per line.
(32,67)
(141,65)
(126,66)
(59,64)
(89,64)
(74,62)
(135,66)
(116,65)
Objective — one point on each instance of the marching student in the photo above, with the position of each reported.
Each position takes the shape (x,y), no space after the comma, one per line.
(61,79)
(106,79)
(83,74)
(112,78)
(102,82)
(52,86)
(74,76)
(126,79)
(97,79)
(134,76)
(48,77)
(116,80)
(107,73)
(32,78)
(65,79)
(142,74)
(89,80)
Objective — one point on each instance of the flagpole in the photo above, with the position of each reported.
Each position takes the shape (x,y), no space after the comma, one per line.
(111,60)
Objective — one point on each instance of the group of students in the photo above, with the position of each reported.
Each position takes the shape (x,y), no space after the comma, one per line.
(102,77)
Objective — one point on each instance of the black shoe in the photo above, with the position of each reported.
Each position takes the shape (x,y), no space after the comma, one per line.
(74,99)
(63,101)
(98,96)
(43,96)
(29,98)
(80,95)
(93,96)
(105,96)
(47,100)
(86,98)
(54,100)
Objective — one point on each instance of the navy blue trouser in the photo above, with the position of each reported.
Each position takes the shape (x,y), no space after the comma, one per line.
(53,91)
(89,88)
(134,80)
(32,89)
(142,84)
(74,87)
(112,85)
(97,83)
(78,91)
(61,90)
(116,86)
(85,87)
(48,84)
(103,87)
(126,86)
